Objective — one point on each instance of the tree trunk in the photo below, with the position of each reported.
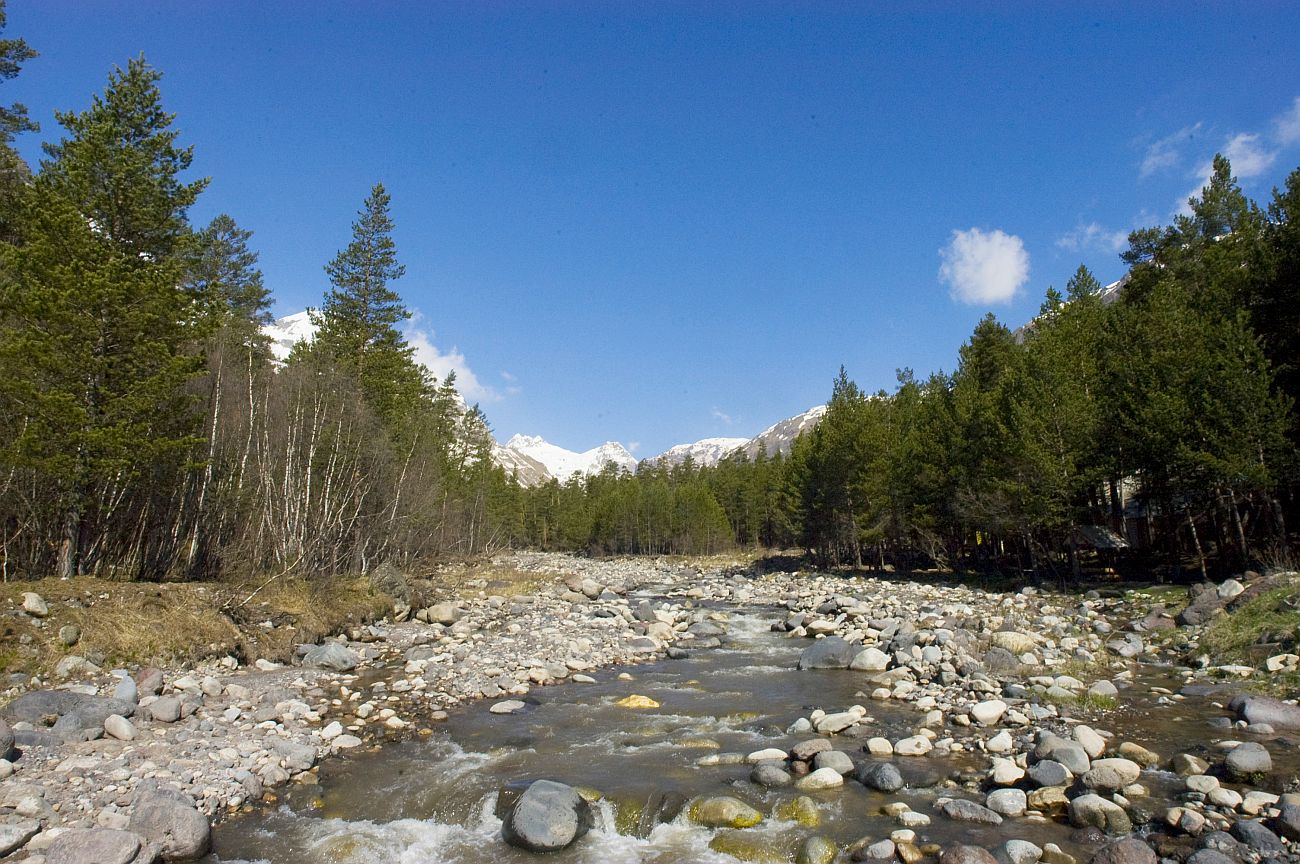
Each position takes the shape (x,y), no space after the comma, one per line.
(1196,541)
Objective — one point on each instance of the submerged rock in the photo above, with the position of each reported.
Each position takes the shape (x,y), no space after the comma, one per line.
(723,811)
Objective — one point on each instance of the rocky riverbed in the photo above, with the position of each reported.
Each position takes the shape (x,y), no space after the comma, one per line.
(133,764)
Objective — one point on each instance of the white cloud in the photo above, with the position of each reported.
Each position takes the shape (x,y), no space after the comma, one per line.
(1248,157)
(1093,237)
(420,338)
(984,268)
(720,416)
(633,446)
(1165,153)
(1286,126)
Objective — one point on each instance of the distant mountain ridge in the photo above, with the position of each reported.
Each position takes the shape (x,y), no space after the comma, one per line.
(534,460)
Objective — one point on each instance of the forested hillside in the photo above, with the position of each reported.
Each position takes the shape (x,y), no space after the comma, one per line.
(1166,418)
(146,431)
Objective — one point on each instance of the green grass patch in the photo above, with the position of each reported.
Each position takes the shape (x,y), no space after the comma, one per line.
(1265,625)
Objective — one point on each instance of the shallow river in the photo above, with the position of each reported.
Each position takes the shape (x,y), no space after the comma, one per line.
(432,800)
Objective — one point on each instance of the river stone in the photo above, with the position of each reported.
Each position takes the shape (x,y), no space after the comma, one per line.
(331,655)
(1017,852)
(917,745)
(962,810)
(822,778)
(1187,765)
(1111,775)
(6,742)
(15,831)
(1092,742)
(165,709)
(816,850)
(1049,772)
(1257,836)
(1246,760)
(445,614)
(806,750)
(1139,754)
(1287,823)
(1013,641)
(1209,856)
(837,722)
(1265,709)
(881,776)
(1007,802)
(723,811)
(295,756)
(771,775)
(988,713)
(1069,753)
(509,706)
(1104,689)
(35,605)
(546,817)
(966,855)
(1098,812)
(170,821)
(831,652)
(771,754)
(870,660)
(1127,851)
(99,846)
(119,727)
(836,760)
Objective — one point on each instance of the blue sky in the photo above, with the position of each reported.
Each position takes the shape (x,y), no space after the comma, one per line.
(665,222)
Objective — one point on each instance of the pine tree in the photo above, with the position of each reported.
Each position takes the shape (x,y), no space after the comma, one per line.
(223,277)
(358,322)
(96,351)
(14,173)
(121,167)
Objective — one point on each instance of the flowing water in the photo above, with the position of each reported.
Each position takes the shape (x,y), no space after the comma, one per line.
(433,800)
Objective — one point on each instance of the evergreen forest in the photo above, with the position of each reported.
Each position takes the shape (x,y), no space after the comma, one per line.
(147,432)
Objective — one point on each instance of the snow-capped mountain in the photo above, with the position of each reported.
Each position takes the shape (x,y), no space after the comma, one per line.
(707,452)
(778,437)
(287,332)
(528,470)
(562,464)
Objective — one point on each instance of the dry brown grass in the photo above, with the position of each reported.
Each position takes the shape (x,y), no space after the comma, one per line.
(140,623)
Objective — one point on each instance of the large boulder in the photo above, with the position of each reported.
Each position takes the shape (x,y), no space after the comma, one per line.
(47,707)
(881,776)
(1015,642)
(1247,760)
(100,846)
(391,581)
(330,655)
(1098,812)
(832,652)
(546,817)
(15,831)
(172,822)
(1111,775)
(1265,709)
(870,660)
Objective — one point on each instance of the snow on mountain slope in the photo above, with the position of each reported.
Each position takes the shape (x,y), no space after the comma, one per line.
(778,437)
(528,470)
(562,463)
(287,332)
(707,452)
